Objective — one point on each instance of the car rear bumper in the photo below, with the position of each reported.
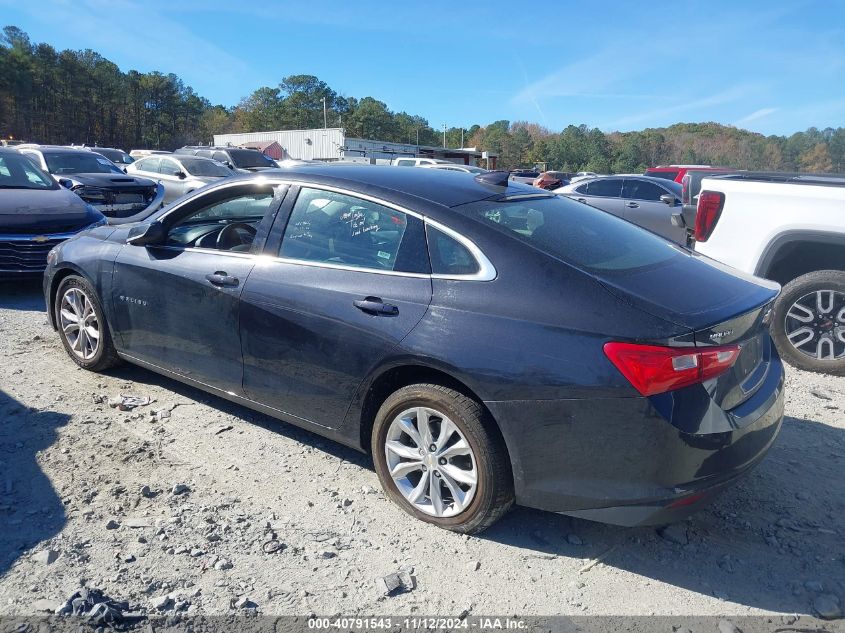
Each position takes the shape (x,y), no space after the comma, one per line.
(618,460)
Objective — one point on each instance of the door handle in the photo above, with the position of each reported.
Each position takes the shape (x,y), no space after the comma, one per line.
(581,199)
(374,305)
(220,278)
(632,205)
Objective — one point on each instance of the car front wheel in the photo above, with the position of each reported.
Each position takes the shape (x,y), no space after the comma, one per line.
(809,322)
(437,458)
(82,325)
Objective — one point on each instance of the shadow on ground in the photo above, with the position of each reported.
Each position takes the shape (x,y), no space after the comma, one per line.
(30,509)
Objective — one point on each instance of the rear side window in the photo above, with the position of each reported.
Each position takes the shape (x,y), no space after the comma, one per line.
(578,234)
(448,255)
(405,163)
(168,167)
(148,164)
(605,188)
(335,228)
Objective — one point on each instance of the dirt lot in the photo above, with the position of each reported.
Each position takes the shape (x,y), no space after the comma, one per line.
(176,512)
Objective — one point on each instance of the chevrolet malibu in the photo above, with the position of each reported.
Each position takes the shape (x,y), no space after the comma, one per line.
(487,342)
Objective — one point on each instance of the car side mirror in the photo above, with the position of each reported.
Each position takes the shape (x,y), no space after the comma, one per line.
(66,183)
(147,234)
(228,164)
(669,199)
(181,175)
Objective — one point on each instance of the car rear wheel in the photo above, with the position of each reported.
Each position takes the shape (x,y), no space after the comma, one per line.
(438,460)
(82,325)
(809,322)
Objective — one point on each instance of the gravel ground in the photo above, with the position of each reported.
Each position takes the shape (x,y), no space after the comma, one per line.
(195,504)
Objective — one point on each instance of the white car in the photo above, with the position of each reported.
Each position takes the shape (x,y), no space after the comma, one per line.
(789,228)
(179,174)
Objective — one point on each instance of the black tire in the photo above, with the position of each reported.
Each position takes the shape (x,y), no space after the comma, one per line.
(494,493)
(105,355)
(793,291)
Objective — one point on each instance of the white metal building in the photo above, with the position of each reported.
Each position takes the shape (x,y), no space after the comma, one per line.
(333,144)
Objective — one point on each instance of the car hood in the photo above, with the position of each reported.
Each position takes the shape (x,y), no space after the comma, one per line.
(28,211)
(107,180)
(690,290)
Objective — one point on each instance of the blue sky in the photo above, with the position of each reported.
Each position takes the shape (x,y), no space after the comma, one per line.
(769,67)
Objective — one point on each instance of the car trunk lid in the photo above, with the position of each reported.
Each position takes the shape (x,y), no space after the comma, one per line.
(716,305)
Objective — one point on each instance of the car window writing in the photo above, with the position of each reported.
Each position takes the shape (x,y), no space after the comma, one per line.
(335,228)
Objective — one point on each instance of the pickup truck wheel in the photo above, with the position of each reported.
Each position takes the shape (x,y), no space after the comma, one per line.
(808,326)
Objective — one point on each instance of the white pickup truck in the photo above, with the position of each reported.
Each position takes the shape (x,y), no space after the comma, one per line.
(789,228)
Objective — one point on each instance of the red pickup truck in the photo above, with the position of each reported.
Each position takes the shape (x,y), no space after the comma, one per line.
(677,172)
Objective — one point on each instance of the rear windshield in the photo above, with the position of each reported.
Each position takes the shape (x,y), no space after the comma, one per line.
(250,158)
(202,167)
(79,162)
(118,157)
(576,233)
(668,175)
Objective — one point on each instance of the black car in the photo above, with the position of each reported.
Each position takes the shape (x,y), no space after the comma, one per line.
(35,215)
(487,342)
(117,156)
(97,180)
(240,160)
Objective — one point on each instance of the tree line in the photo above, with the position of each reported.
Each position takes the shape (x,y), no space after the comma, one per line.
(64,97)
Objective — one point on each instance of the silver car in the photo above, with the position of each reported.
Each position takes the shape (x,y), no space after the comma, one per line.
(645,201)
(178,174)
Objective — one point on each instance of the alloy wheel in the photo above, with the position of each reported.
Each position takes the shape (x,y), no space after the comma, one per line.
(79,323)
(431,462)
(815,325)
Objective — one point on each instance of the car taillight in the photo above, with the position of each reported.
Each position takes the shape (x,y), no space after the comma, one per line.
(653,369)
(709,209)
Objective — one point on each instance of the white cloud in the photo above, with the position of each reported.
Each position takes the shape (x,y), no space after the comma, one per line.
(762,113)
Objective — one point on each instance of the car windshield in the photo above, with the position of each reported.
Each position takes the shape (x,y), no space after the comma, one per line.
(578,234)
(79,162)
(116,156)
(250,158)
(18,172)
(206,168)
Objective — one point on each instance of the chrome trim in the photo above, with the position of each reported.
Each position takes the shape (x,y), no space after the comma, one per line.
(30,237)
(486,270)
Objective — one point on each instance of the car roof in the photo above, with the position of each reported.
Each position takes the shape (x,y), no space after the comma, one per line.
(393,183)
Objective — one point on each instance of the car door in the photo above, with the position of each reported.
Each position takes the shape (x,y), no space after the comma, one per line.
(175,304)
(174,186)
(348,281)
(643,206)
(603,193)
(148,168)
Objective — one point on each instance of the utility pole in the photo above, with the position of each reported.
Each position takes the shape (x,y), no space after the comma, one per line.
(462,137)
(325,119)
(444,136)
(418,137)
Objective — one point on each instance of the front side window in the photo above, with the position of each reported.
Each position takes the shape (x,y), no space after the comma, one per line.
(228,224)
(605,187)
(578,234)
(643,190)
(335,228)
(168,167)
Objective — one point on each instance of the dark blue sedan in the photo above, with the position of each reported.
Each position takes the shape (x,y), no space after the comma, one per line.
(489,343)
